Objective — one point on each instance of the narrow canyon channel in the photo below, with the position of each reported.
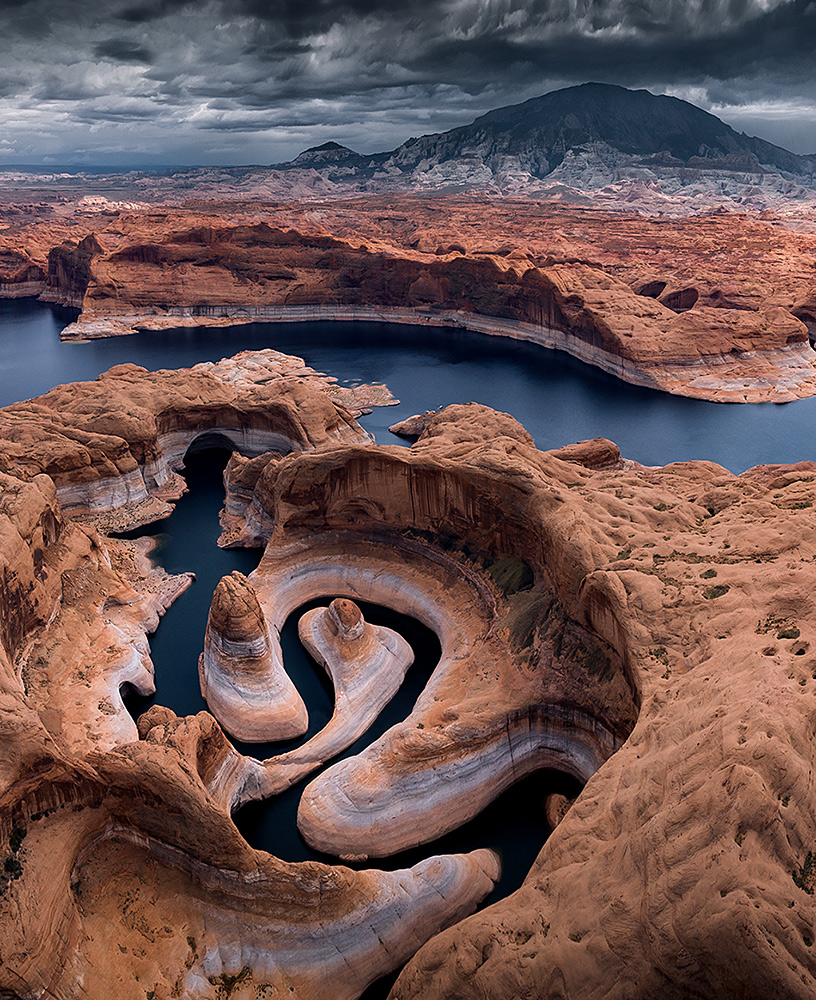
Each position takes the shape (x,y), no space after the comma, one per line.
(558,399)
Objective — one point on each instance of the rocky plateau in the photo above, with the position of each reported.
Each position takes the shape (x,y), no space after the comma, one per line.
(720,307)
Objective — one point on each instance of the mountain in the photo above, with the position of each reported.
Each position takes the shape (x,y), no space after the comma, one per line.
(593,130)
(327,154)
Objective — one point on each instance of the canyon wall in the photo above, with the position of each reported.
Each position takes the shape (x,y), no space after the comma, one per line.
(684,867)
(113,447)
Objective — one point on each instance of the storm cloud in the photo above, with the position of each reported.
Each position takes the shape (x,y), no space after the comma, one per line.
(239,81)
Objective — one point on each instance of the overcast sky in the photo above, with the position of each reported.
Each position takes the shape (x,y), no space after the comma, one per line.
(256,81)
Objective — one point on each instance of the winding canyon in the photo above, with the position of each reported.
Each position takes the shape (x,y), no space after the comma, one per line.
(646,630)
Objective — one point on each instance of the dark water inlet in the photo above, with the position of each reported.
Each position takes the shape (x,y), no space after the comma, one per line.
(557,398)
(185,541)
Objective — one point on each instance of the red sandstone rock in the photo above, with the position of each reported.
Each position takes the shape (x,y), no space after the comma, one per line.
(116,444)
(242,678)
(730,328)
(700,582)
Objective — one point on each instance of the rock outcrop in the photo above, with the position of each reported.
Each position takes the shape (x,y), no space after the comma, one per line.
(242,678)
(648,630)
(121,870)
(114,446)
(244,273)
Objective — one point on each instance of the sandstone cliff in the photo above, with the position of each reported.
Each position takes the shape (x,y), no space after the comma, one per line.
(259,272)
(113,447)
(714,306)
(121,870)
(649,631)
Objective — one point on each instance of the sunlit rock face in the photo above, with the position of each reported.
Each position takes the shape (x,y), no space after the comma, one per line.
(646,630)
(114,838)
(114,446)
(242,679)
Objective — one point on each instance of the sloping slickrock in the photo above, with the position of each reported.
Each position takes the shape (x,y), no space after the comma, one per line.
(74,615)
(114,446)
(120,872)
(366,664)
(686,866)
(240,670)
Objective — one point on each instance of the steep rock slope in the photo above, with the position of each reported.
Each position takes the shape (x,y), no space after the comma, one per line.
(260,272)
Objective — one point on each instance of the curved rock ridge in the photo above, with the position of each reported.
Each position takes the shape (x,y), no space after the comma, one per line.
(114,446)
(685,867)
(653,629)
(119,870)
(566,700)
(366,663)
(125,850)
(242,679)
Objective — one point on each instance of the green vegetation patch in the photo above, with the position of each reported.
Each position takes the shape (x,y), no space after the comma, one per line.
(16,838)
(226,984)
(511,575)
(805,878)
(776,622)
(529,613)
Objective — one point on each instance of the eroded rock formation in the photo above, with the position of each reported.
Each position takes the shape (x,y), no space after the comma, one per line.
(648,630)
(241,676)
(121,871)
(259,272)
(685,865)
(713,307)
(113,447)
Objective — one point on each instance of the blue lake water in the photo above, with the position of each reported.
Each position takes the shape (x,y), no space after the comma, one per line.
(557,398)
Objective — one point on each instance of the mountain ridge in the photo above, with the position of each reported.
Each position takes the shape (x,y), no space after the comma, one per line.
(537,136)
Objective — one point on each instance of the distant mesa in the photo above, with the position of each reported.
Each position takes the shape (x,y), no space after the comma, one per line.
(326,153)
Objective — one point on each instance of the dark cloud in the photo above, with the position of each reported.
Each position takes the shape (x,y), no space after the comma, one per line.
(122,50)
(276,74)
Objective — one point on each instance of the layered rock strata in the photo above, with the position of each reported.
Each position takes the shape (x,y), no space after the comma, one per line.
(242,678)
(713,306)
(124,875)
(366,665)
(569,707)
(663,614)
(114,446)
(685,866)
(245,273)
